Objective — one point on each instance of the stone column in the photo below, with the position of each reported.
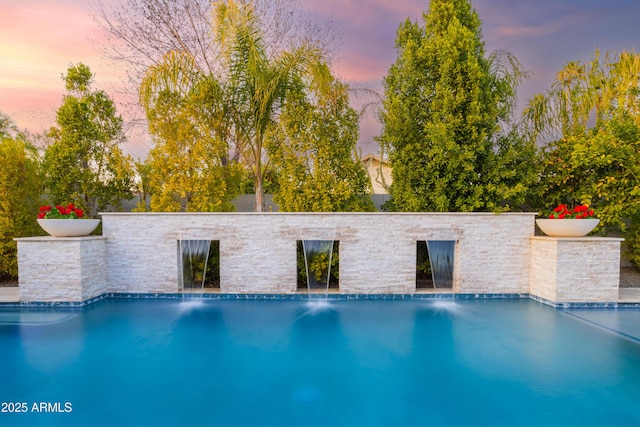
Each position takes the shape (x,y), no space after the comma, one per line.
(61,269)
(575,269)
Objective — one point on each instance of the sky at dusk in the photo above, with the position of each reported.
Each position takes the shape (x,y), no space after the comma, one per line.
(41,38)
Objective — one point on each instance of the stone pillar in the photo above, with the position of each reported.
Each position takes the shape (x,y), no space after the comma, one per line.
(575,269)
(61,269)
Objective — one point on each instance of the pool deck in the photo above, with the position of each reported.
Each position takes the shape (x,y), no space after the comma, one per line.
(629,295)
(626,295)
(10,294)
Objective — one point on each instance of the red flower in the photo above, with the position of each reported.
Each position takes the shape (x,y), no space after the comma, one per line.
(61,212)
(579,212)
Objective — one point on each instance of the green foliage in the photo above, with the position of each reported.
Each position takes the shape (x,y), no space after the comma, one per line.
(318,262)
(586,94)
(600,168)
(142,185)
(269,183)
(83,163)
(313,152)
(424,277)
(592,118)
(193,268)
(632,241)
(446,117)
(245,94)
(593,106)
(20,191)
(188,169)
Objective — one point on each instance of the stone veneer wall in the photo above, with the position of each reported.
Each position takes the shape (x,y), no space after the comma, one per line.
(61,269)
(377,250)
(582,269)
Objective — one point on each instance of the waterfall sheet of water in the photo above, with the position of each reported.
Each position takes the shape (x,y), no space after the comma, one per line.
(441,255)
(317,260)
(194,256)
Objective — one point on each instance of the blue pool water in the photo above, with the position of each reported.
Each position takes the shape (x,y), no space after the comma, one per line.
(354,363)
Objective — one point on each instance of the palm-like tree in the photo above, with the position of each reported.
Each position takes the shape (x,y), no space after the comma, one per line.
(585,94)
(250,87)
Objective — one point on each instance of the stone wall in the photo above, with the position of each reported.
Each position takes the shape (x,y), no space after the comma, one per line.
(377,250)
(495,254)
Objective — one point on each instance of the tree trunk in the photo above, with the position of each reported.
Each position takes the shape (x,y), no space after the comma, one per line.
(259,203)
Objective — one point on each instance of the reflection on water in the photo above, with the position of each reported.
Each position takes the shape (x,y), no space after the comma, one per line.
(42,316)
(51,339)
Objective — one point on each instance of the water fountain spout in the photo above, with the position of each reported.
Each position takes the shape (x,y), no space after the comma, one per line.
(441,256)
(318,256)
(194,257)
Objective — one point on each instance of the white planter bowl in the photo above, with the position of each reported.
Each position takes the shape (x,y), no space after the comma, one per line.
(567,227)
(68,227)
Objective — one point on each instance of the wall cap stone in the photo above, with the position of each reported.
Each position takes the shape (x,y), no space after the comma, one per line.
(57,239)
(578,239)
(382,214)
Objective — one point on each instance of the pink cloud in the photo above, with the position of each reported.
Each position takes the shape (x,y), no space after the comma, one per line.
(41,40)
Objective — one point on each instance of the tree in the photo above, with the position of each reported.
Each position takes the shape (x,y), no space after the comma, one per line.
(313,150)
(586,94)
(259,83)
(143,31)
(589,124)
(188,169)
(589,118)
(83,164)
(446,117)
(247,91)
(20,188)
(142,185)
(8,128)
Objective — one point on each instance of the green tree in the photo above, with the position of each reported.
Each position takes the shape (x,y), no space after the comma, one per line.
(605,161)
(142,185)
(446,117)
(590,120)
(313,150)
(247,91)
(20,189)
(83,164)
(590,117)
(188,168)
(584,95)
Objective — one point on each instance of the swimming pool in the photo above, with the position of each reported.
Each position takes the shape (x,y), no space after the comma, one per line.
(285,363)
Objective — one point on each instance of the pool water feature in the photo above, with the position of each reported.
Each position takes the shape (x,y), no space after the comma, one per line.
(358,362)
(194,256)
(441,256)
(317,262)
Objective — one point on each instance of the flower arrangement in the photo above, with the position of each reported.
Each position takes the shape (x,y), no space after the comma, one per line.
(60,212)
(579,212)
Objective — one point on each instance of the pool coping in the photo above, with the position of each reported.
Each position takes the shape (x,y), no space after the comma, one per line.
(330,296)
